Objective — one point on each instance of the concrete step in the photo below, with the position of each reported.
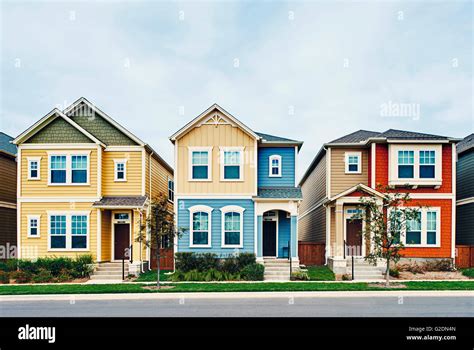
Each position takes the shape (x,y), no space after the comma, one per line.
(276,264)
(277,268)
(109,273)
(106,277)
(268,274)
(112,264)
(276,279)
(111,269)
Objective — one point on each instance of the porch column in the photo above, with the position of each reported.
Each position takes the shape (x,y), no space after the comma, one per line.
(259,238)
(339,248)
(99,236)
(294,236)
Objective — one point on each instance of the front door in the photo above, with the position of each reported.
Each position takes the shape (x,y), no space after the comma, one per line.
(269,238)
(354,237)
(121,241)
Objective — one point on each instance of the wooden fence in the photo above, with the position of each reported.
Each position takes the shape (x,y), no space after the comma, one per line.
(311,253)
(464,256)
(166,260)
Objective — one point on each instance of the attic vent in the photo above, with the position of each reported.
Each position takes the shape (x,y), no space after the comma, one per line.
(82,110)
(216,120)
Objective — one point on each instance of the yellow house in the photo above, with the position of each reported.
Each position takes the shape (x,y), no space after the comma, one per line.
(84,187)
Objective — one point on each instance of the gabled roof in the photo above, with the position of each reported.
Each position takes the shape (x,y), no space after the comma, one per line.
(204,114)
(359,187)
(5,144)
(409,135)
(48,118)
(121,202)
(466,144)
(357,136)
(266,138)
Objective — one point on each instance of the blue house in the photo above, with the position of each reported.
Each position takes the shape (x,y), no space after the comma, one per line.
(235,189)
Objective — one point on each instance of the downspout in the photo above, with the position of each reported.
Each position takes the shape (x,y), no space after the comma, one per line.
(148,233)
(141,247)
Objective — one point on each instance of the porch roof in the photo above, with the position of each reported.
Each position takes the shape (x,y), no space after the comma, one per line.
(358,189)
(280,192)
(121,202)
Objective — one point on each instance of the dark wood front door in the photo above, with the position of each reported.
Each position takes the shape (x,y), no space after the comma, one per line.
(354,237)
(121,241)
(269,238)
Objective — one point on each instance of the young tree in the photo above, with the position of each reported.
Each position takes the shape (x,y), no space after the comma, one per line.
(386,219)
(161,227)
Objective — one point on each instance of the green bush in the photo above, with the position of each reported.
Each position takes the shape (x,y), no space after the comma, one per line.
(82,266)
(4,277)
(22,276)
(8,265)
(299,276)
(394,273)
(43,276)
(253,272)
(245,259)
(468,272)
(207,261)
(186,261)
(230,265)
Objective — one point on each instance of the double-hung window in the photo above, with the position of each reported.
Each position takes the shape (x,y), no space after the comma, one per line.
(413,230)
(431,227)
(406,164)
(427,164)
(69,168)
(58,169)
(231,163)
(200,164)
(34,168)
(33,226)
(353,162)
(422,230)
(200,226)
(170,190)
(120,170)
(232,226)
(68,230)
(275,166)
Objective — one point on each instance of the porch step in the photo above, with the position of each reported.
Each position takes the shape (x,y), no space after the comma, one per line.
(109,271)
(276,269)
(108,277)
(363,270)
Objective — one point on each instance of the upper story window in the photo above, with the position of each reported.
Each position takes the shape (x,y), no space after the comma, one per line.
(417,165)
(33,226)
(34,168)
(232,226)
(68,231)
(231,163)
(200,163)
(170,190)
(69,169)
(120,170)
(200,226)
(275,166)
(353,162)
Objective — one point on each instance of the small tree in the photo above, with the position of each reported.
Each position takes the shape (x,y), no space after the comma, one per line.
(161,227)
(385,219)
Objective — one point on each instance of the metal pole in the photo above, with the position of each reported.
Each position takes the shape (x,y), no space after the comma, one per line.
(123,268)
(289,255)
(352,267)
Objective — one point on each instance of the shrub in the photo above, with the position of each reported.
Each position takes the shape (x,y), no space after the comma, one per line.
(8,265)
(394,272)
(64,277)
(207,261)
(413,268)
(43,276)
(438,265)
(186,261)
(245,259)
(299,276)
(82,266)
(22,276)
(4,277)
(230,265)
(253,272)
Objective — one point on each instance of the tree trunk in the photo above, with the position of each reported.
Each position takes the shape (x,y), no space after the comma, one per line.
(158,267)
(387,273)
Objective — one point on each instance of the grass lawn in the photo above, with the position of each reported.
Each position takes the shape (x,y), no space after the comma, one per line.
(225,287)
(320,273)
(468,272)
(150,276)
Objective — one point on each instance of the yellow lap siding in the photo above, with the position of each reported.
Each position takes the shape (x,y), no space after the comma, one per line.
(40,188)
(133,185)
(106,245)
(38,247)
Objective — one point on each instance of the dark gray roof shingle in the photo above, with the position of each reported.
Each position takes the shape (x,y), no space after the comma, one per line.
(5,144)
(273,138)
(126,202)
(358,136)
(280,192)
(466,144)
(410,135)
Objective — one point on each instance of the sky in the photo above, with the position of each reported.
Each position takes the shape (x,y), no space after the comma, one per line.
(311,71)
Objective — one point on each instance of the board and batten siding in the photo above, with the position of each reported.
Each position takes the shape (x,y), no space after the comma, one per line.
(40,188)
(465,224)
(288,166)
(133,185)
(340,181)
(8,179)
(216,228)
(38,247)
(222,135)
(465,176)
(312,219)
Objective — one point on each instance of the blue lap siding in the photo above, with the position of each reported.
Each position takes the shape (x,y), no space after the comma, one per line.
(284,231)
(288,166)
(183,221)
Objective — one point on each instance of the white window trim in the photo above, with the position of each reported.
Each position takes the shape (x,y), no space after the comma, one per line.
(172,180)
(38,161)
(124,162)
(68,215)
(241,165)
(69,155)
(38,220)
(205,209)
(359,162)
(232,209)
(394,180)
(272,157)
(209,163)
(424,229)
